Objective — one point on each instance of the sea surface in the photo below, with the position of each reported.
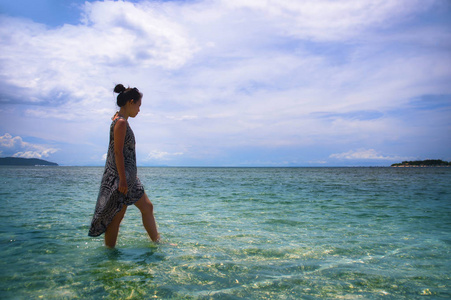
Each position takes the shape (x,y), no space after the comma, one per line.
(231,233)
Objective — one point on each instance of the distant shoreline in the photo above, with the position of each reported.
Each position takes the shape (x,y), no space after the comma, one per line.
(428,163)
(18,161)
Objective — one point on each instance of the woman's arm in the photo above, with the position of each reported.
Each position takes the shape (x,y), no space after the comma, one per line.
(119,138)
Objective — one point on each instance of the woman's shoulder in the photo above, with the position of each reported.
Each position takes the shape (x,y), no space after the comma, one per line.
(119,123)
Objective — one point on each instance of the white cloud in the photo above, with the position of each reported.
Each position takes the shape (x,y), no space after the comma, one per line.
(364,154)
(8,141)
(161,155)
(331,20)
(16,147)
(78,64)
(140,34)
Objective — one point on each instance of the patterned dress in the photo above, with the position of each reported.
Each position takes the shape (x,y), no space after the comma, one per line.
(110,201)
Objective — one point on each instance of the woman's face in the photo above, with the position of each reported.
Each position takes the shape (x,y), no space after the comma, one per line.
(134,108)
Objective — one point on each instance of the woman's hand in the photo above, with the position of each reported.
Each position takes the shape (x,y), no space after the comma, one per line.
(123,188)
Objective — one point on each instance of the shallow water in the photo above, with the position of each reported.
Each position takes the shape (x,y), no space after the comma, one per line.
(231,233)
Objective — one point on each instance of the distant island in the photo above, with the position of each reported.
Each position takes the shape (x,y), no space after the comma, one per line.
(423,163)
(18,161)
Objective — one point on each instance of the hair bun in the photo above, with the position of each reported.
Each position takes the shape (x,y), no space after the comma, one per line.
(119,88)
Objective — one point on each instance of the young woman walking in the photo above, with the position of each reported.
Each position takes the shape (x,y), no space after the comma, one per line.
(120,186)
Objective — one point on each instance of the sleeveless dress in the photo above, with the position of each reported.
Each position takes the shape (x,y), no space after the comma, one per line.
(110,201)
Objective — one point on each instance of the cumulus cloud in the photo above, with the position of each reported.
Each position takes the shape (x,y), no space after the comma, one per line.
(331,20)
(16,147)
(71,64)
(364,154)
(161,155)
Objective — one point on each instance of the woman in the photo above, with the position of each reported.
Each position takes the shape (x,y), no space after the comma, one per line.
(120,185)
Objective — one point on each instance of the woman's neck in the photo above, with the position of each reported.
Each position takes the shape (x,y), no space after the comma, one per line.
(123,113)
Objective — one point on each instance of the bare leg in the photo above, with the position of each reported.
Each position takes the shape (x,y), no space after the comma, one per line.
(113,229)
(146,208)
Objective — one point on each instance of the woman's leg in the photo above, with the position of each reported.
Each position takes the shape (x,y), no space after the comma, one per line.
(113,229)
(146,208)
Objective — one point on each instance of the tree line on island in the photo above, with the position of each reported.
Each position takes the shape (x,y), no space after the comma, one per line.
(423,163)
(19,161)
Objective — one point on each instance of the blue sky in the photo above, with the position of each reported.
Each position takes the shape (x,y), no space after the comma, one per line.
(229,83)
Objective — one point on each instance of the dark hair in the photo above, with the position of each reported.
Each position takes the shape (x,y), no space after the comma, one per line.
(126,94)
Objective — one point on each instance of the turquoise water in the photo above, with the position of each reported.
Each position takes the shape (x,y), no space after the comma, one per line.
(231,233)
